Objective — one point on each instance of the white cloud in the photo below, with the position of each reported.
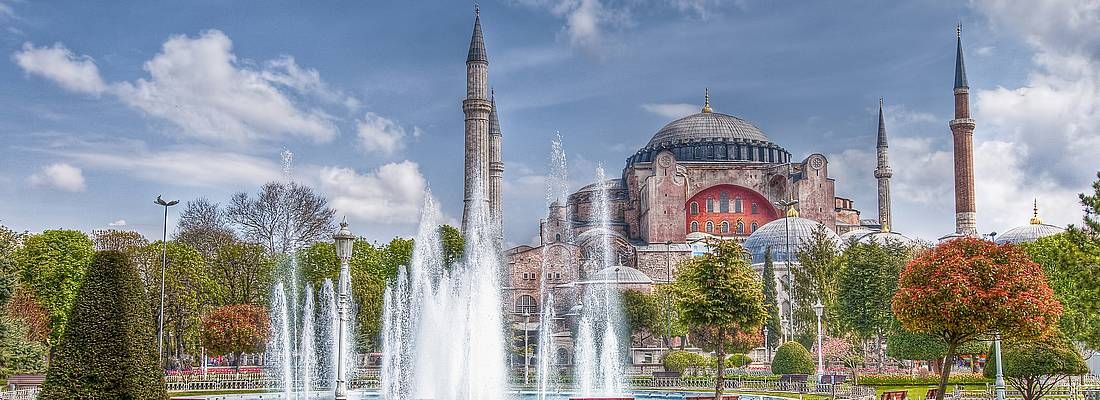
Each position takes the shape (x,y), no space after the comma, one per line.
(120,222)
(672,110)
(378,134)
(391,194)
(59,64)
(199,85)
(191,167)
(59,176)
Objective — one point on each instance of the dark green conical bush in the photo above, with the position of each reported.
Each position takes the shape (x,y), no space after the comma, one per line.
(108,350)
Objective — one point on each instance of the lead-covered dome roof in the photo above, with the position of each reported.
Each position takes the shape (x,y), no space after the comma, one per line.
(708,126)
(620,274)
(781,232)
(713,137)
(1028,233)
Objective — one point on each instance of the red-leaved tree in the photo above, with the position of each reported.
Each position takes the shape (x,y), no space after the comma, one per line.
(968,289)
(236,329)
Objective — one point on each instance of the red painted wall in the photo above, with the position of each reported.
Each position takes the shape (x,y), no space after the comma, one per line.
(765,212)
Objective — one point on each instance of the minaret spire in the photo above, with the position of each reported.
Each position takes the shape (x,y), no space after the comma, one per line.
(883,173)
(477,108)
(962,132)
(496,170)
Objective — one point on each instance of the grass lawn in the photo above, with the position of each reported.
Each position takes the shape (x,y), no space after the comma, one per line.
(917,392)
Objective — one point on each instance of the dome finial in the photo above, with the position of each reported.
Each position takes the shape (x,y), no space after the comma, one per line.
(959,30)
(706,101)
(792,212)
(1035,213)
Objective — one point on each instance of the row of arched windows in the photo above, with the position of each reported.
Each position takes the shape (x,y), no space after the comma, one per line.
(723,205)
(724,227)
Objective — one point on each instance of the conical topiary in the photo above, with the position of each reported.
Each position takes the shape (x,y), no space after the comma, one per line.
(108,350)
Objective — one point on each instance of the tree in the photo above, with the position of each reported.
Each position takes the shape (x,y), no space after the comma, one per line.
(203,225)
(792,358)
(815,278)
(241,273)
(1092,207)
(968,288)
(678,361)
(1070,260)
(52,266)
(18,355)
(282,217)
(1035,367)
(904,345)
(720,295)
(24,307)
(108,348)
(843,352)
(865,288)
(236,329)
(642,315)
(10,241)
(454,245)
(188,290)
(771,299)
(113,239)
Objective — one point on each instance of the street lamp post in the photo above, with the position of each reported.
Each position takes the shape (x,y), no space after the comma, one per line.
(819,309)
(344,240)
(526,349)
(789,204)
(163,267)
(767,346)
(668,297)
(783,325)
(999,383)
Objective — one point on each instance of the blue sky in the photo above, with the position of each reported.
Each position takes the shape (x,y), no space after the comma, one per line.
(106,105)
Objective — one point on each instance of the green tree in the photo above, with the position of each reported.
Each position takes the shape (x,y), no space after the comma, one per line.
(108,348)
(52,265)
(1035,367)
(318,262)
(241,273)
(1091,202)
(1070,260)
(678,361)
(966,289)
(904,345)
(792,358)
(10,241)
(236,329)
(865,288)
(188,291)
(815,278)
(771,299)
(18,354)
(642,315)
(720,295)
(454,245)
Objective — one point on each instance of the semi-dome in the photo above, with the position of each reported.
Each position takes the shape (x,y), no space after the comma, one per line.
(775,234)
(712,136)
(1034,230)
(620,274)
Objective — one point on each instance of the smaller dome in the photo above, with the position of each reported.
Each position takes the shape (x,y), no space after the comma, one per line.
(855,234)
(883,238)
(781,232)
(620,274)
(1028,233)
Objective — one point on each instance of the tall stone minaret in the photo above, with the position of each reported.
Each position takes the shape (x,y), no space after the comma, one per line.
(883,174)
(496,170)
(477,108)
(962,129)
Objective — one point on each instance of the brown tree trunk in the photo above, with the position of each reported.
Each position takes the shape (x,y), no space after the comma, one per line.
(719,380)
(948,361)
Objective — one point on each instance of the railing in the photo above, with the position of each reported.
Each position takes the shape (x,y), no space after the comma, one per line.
(257,384)
(839,391)
(20,394)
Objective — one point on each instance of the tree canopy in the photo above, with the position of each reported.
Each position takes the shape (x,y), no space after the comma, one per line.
(1033,367)
(52,265)
(236,329)
(815,278)
(771,299)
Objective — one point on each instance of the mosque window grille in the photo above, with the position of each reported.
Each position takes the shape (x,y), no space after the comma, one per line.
(724,202)
(725,227)
(694,208)
(710,227)
(710,205)
(737,205)
(526,305)
(695,226)
(754,226)
(740,227)
(755,208)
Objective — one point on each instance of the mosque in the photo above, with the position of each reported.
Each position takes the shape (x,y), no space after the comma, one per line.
(707,175)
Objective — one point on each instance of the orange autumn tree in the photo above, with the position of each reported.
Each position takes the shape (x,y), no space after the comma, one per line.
(969,289)
(236,329)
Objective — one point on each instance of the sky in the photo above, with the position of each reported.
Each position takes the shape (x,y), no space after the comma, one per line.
(105,105)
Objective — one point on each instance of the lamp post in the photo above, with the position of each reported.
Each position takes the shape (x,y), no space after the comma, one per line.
(668,297)
(344,240)
(999,383)
(819,309)
(789,205)
(526,348)
(783,326)
(163,267)
(767,347)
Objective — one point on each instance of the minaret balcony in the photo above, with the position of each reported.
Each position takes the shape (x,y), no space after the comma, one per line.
(963,122)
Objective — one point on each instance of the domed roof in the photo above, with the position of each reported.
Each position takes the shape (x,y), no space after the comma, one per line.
(620,274)
(775,234)
(709,126)
(1031,232)
(883,238)
(855,234)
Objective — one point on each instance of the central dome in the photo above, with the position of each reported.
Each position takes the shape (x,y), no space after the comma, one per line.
(708,126)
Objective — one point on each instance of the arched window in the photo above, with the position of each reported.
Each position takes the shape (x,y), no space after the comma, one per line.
(694,208)
(557,237)
(695,226)
(754,226)
(755,209)
(563,356)
(710,205)
(737,205)
(740,227)
(725,227)
(525,305)
(710,227)
(724,202)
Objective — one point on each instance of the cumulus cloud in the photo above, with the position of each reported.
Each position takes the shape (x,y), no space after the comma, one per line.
(390,194)
(57,63)
(60,176)
(199,85)
(671,110)
(378,134)
(120,222)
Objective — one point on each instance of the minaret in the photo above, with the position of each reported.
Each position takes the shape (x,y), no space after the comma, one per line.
(883,174)
(477,107)
(962,129)
(496,169)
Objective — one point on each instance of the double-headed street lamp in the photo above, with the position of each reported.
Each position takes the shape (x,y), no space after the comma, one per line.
(819,309)
(999,382)
(788,205)
(344,240)
(163,267)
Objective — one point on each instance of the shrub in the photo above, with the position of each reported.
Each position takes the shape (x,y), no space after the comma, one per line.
(792,358)
(108,350)
(737,360)
(677,361)
(920,380)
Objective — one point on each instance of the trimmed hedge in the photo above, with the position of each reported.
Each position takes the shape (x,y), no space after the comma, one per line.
(679,361)
(920,380)
(108,350)
(792,358)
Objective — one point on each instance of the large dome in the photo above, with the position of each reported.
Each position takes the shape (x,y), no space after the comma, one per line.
(1028,233)
(708,126)
(777,234)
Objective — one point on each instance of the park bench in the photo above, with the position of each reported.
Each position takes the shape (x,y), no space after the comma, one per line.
(895,395)
(707,397)
(25,381)
(932,393)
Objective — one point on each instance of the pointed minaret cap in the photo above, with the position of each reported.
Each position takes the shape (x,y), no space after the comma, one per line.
(960,66)
(477,42)
(881,125)
(1035,214)
(706,101)
(494,121)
